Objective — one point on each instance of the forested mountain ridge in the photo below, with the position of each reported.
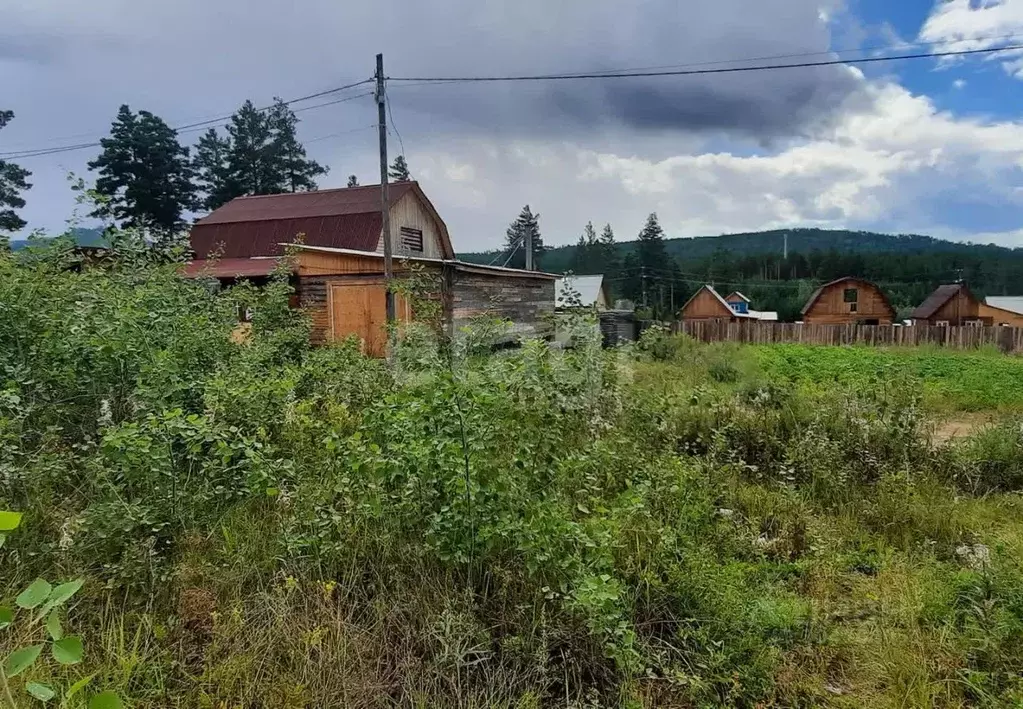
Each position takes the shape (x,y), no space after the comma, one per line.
(773,241)
(908,266)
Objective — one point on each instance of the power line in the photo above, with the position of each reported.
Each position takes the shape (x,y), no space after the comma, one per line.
(335,135)
(189,127)
(772,57)
(390,115)
(696,72)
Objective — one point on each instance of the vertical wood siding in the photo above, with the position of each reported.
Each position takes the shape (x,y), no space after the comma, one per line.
(831,308)
(410,212)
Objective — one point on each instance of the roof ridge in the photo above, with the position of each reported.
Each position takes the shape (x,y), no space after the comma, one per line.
(329,189)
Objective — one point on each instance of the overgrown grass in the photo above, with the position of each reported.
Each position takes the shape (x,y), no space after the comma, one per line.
(263,524)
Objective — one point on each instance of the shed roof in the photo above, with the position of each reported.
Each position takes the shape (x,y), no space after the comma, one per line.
(737,294)
(463,266)
(230,267)
(341,218)
(933,303)
(1012,303)
(588,288)
(817,293)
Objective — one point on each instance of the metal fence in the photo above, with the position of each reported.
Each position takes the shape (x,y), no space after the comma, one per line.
(1006,339)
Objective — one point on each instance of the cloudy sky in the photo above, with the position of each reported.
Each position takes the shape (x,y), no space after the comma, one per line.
(925,146)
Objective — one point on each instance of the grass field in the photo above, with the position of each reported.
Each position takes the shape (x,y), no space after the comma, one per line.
(264,524)
(949,380)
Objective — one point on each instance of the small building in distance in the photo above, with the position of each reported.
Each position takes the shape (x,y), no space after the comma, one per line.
(707,304)
(1003,310)
(952,304)
(338,271)
(738,301)
(582,291)
(848,300)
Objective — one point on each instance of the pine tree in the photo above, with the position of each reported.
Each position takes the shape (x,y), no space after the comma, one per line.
(527,223)
(608,250)
(586,253)
(12,183)
(650,247)
(297,172)
(213,172)
(653,259)
(260,155)
(353,181)
(399,170)
(144,173)
(251,153)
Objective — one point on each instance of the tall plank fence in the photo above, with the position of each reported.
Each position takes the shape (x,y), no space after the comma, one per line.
(1006,339)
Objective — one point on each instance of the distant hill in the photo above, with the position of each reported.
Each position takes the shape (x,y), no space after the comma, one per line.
(82,236)
(699,248)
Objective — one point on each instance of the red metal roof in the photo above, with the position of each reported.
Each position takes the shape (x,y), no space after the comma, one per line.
(231,268)
(347,218)
(264,238)
(300,205)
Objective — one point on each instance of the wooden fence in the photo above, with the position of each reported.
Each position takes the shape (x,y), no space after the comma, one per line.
(1006,339)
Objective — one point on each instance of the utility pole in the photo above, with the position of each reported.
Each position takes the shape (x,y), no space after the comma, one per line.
(527,241)
(642,280)
(785,247)
(385,205)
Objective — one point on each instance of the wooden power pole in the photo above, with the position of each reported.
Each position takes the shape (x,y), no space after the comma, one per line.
(527,240)
(385,206)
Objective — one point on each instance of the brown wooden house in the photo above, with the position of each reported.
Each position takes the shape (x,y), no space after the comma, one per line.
(338,267)
(951,304)
(707,304)
(848,300)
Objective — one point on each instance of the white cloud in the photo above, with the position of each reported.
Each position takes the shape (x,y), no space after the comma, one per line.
(973,25)
(890,167)
(959,84)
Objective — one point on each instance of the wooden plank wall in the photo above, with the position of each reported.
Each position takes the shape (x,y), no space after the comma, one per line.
(831,308)
(1006,339)
(527,302)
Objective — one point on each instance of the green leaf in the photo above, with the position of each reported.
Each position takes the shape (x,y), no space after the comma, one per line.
(20,660)
(3,540)
(106,700)
(79,686)
(6,617)
(53,626)
(35,594)
(9,521)
(64,591)
(40,691)
(69,650)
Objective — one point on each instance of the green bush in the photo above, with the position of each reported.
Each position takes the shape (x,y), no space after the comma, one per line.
(262,523)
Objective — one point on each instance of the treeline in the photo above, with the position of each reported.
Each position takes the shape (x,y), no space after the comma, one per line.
(661,274)
(146,178)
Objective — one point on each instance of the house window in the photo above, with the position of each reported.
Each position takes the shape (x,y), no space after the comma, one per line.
(412,239)
(850,295)
(852,307)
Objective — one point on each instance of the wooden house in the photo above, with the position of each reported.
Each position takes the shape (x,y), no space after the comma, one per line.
(1005,311)
(738,301)
(338,270)
(848,300)
(951,305)
(707,304)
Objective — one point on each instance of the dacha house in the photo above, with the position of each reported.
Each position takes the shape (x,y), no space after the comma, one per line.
(338,269)
(848,301)
(707,304)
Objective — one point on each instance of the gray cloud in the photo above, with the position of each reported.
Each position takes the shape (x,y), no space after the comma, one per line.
(195,59)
